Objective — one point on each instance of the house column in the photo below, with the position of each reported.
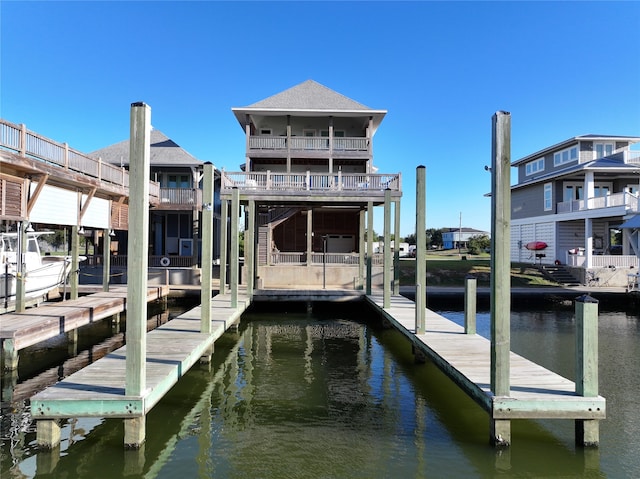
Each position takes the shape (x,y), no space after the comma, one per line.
(288,144)
(106,259)
(247,132)
(369,144)
(309,235)
(589,189)
(330,144)
(588,242)
(386,269)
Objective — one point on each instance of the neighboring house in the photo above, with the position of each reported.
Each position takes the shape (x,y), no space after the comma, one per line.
(581,198)
(309,172)
(174,222)
(453,238)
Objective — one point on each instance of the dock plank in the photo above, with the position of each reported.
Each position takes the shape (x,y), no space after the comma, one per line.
(535,392)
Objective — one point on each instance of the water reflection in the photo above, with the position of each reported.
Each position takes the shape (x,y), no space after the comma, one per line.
(320,395)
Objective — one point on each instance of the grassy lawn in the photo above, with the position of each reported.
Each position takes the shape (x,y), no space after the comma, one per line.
(449,269)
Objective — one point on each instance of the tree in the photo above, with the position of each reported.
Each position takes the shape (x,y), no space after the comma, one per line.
(434,237)
(478,244)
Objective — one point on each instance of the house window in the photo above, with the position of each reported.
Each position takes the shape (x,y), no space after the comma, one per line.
(603,149)
(548,197)
(265,131)
(534,166)
(565,156)
(178,181)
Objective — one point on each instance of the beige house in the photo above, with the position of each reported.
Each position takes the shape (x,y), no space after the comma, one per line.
(307,185)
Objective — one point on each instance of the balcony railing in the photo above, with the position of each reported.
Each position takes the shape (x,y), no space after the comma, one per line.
(317,143)
(267,181)
(628,200)
(181,196)
(29,144)
(333,259)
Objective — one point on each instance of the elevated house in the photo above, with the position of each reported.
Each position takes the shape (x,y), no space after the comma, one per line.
(174,219)
(309,176)
(578,201)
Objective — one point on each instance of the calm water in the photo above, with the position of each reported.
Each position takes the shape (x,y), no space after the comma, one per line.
(332,395)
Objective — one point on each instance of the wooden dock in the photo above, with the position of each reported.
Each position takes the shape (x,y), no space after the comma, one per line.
(32,326)
(536,392)
(98,390)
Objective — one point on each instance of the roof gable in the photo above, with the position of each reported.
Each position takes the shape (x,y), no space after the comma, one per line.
(163,152)
(309,95)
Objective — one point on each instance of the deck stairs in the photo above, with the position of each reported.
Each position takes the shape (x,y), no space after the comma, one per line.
(559,274)
(273,218)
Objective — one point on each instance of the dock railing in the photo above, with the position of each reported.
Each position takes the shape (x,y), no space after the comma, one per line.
(32,145)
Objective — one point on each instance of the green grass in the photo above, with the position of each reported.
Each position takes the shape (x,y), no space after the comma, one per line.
(449,269)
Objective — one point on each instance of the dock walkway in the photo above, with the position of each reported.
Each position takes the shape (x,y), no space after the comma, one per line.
(98,390)
(535,392)
(34,325)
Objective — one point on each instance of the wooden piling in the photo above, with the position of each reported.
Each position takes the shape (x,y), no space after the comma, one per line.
(21,276)
(421,245)
(224,215)
(470,301)
(207,250)
(75,263)
(396,252)
(106,259)
(249,248)
(500,268)
(139,158)
(386,269)
(369,246)
(234,256)
(586,313)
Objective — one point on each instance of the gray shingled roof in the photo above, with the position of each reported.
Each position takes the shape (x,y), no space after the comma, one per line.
(309,95)
(163,152)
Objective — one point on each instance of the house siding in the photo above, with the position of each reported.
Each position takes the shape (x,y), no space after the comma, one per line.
(529,201)
(527,233)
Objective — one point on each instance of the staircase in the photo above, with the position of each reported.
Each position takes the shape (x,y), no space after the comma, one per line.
(559,274)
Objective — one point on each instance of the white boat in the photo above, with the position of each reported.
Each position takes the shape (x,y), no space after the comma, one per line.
(42,273)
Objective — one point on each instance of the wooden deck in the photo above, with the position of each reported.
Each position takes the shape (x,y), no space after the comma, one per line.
(98,390)
(20,330)
(536,392)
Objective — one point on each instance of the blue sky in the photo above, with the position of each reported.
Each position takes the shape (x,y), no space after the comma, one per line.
(70,70)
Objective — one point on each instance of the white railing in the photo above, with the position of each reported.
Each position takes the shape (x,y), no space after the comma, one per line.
(619,261)
(628,200)
(310,181)
(334,259)
(317,143)
(155,261)
(30,144)
(181,196)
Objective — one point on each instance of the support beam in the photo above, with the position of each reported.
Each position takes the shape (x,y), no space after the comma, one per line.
(47,433)
(361,249)
(235,252)
(421,249)
(500,254)
(369,245)
(74,278)
(388,257)
(309,237)
(9,354)
(135,432)
(500,432)
(21,273)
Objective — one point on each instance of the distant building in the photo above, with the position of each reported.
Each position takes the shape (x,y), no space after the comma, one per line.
(454,238)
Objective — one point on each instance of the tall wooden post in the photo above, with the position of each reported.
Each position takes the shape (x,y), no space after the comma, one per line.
(396,252)
(369,246)
(361,249)
(234,256)
(421,249)
(207,249)
(470,301)
(500,268)
(106,260)
(75,264)
(386,270)
(137,266)
(586,309)
(21,273)
(224,221)
(249,247)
